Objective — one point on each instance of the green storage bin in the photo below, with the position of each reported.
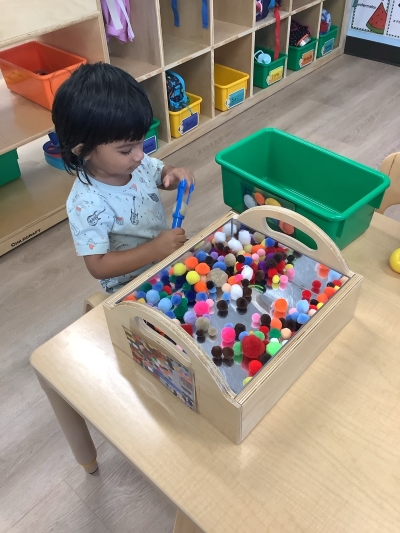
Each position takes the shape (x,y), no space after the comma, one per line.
(150,143)
(9,168)
(326,42)
(301,56)
(336,193)
(266,75)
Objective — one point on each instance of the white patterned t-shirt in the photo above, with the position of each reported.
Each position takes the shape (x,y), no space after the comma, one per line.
(106,218)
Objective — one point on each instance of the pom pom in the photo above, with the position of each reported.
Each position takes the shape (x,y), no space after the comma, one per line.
(228,335)
(302,306)
(329,291)
(237,348)
(179,269)
(201,256)
(291,274)
(202,323)
(311,312)
(256,318)
(273,348)
(332,276)
(201,308)
(176,299)
(216,352)
(165,305)
(171,314)
(286,333)
(226,287)
(242,335)
(230,260)
(266,319)
(188,328)
(212,332)
(248,260)
(241,303)
(145,287)
(201,297)
(235,245)
(276,324)
(254,367)
(231,228)
(275,279)
(252,347)
(192,277)
(236,292)
(217,276)
(219,236)
(210,303)
(247,272)
(303,318)
(190,317)
(281,305)
(200,286)
(220,264)
(222,305)
(306,295)
(264,329)
(153,297)
(260,335)
(247,380)
(191,296)
(322,298)
(203,269)
(227,353)
(239,328)
(226,296)
(244,237)
(158,286)
(274,333)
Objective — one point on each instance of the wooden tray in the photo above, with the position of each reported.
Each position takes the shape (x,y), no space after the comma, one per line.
(233,414)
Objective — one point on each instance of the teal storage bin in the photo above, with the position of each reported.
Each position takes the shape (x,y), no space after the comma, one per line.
(9,167)
(150,143)
(266,75)
(336,193)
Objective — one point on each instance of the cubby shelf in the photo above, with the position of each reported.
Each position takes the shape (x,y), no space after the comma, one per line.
(189,49)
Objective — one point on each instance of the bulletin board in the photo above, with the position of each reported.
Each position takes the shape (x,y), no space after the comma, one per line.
(378,19)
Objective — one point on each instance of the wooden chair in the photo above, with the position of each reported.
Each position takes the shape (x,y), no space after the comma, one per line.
(96,299)
(391,201)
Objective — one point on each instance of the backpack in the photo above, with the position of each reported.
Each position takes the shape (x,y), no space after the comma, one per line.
(298,32)
(176,93)
(204,13)
(116,19)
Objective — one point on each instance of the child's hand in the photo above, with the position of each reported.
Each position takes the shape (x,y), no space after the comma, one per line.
(174,175)
(169,241)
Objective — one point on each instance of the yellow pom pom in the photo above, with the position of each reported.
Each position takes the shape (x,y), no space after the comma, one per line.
(319,305)
(247,248)
(141,301)
(179,269)
(276,279)
(288,266)
(275,286)
(192,277)
(242,252)
(246,380)
(272,201)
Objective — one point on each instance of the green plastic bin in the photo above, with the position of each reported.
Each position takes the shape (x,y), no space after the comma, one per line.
(150,143)
(9,168)
(301,56)
(326,42)
(266,75)
(336,193)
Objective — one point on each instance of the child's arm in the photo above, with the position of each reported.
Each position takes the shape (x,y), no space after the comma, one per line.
(112,264)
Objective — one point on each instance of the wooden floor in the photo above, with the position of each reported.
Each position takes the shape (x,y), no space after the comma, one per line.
(350,106)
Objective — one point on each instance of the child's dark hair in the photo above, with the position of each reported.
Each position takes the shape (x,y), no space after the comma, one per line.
(98,104)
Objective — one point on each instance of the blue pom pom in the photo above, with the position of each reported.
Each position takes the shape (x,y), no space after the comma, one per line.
(213,290)
(140,294)
(270,242)
(213,296)
(190,317)
(176,299)
(158,286)
(303,318)
(164,272)
(226,296)
(191,296)
(294,315)
(243,335)
(165,305)
(201,296)
(220,264)
(170,314)
(248,260)
(229,325)
(302,306)
(332,276)
(153,296)
(180,280)
(165,280)
(201,256)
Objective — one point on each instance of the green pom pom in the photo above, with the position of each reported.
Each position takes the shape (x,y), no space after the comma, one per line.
(184,302)
(163,294)
(238,359)
(146,287)
(275,334)
(260,335)
(237,348)
(172,278)
(273,348)
(186,287)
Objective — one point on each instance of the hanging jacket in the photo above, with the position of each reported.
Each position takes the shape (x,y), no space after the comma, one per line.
(116,19)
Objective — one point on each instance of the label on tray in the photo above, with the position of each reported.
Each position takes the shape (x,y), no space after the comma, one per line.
(328,47)
(306,58)
(275,75)
(189,123)
(150,145)
(235,98)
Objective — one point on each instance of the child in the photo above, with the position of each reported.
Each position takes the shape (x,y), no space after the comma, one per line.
(101,115)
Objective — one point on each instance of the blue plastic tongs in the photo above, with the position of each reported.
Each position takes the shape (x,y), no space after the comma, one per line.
(180,207)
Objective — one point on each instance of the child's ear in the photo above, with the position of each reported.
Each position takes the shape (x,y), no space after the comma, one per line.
(77,151)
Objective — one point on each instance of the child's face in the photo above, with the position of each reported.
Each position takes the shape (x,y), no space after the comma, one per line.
(117,158)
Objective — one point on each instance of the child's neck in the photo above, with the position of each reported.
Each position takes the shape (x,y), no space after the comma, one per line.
(117,180)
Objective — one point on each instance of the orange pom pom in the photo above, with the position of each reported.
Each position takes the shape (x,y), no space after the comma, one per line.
(259,198)
(276,324)
(322,298)
(200,286)
(257,247)
(232,280)
(129,298)
(203,269)
(191,263)
(329,291)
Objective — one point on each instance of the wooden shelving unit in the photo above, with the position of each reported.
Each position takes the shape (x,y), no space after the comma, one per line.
(34,203)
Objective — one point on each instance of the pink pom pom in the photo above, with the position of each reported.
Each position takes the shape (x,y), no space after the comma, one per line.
(255,257)
(261,252)
(284,279)
(256,318)
(292,310)
(291,273)
(210,303)
(201,308)
(238,278)
(228,335)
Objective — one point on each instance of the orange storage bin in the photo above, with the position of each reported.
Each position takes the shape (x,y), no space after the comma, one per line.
(36,70)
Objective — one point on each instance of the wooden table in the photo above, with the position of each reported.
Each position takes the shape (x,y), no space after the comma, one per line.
(325,458)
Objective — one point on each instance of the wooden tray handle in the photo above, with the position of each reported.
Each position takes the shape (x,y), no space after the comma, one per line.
(327,252)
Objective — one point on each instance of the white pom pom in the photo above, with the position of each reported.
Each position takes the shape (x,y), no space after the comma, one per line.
(230,229)
(235,245)
(219,236)
(249,201)
(244,237)
(236,292)
(247,272)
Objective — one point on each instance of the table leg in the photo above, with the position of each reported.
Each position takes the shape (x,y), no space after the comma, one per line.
(74,427)
(183,524)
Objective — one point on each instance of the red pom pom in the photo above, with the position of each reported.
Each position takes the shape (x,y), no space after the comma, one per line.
(272,272)
(314,307)
(316,284)
(264,329)
(254,367)
(167,289)
(306,295)
(337,282)
(188,328)
(280,267)
(239,267)
(252,347)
